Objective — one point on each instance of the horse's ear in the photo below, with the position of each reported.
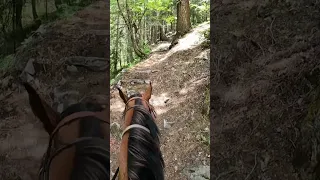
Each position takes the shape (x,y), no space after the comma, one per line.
(123,96)
(47,115)
(147,94)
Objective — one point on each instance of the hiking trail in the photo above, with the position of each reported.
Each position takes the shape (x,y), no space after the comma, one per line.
(180,79)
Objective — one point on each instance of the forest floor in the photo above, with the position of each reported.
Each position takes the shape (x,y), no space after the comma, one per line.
(22,138)
(265,90)
(180,79)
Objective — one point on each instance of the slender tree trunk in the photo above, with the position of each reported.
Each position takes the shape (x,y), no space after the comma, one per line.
(163,36)
(183,17)
(34,10)
(18,20)
(46,9)
(153,34)
(145,30)
(14,23)
(116,55)
(129,48)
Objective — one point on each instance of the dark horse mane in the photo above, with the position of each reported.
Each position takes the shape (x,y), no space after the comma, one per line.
(145,160)
(92,158)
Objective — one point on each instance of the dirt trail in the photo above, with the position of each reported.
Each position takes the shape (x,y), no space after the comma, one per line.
(265,90)
(22,138)
(180,81)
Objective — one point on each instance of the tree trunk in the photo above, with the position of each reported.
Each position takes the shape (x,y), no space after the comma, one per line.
(153,34)
(14,23)
(34,10)
(183,17)
(116,55)
(46,9)
(163,36)
(129,49)
(19,29)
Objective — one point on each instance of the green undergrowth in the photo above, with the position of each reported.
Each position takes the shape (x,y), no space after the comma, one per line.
(116,76)
(7,63)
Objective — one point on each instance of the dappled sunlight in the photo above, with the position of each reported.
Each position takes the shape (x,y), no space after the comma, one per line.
(116,105)
(159,100)
(192,39)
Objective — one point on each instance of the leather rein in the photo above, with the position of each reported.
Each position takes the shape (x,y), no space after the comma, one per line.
(153,114)
(49,156)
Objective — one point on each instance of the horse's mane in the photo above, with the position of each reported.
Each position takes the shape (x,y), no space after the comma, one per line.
(145,160)
(92,158)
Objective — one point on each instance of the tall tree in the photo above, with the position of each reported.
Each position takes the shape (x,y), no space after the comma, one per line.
(183,17)
(34,10)
(18,20)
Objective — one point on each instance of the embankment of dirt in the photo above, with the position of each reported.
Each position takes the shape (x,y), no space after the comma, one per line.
(264,90)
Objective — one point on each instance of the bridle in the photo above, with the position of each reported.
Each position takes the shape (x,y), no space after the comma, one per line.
(52,153)
(152,112)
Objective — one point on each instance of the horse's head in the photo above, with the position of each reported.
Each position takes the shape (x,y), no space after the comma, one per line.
(140,156)
(79,142)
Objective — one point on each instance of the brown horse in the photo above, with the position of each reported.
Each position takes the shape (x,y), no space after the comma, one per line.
(79,145)
(140,157)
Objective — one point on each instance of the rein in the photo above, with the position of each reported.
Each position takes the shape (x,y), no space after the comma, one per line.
(44,170)
(151,110)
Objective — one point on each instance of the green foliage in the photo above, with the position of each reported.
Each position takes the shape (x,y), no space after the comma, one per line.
(7,62)
(207,34)
(146,49)
(200,11)
(200,8)
(170,19)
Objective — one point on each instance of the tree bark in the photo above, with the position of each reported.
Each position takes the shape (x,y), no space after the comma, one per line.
(183,17)
(18,20)
(34,10)
(129,49)
(163,36)
(116,55)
